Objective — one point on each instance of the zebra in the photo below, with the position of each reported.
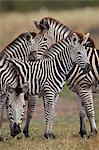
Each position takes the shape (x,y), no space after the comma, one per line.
(57,30)
(9,95)
(47,76)
(20,48)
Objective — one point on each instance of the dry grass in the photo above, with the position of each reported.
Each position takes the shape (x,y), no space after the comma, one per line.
(66,127)
(12,24)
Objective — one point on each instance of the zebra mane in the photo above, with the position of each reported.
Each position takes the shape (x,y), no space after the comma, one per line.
(22,35)
(54,21)
(90,42)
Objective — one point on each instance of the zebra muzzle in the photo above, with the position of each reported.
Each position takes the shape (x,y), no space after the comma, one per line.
(88,68)
(15,130)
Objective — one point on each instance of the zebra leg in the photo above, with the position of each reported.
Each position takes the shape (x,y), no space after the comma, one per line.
(49,107)
(82,116)
(87,100)
(31,105)
(1,118)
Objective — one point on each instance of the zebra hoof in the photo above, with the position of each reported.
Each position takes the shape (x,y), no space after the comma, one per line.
(82,133)
(1,138)
(92,134)
(49,136)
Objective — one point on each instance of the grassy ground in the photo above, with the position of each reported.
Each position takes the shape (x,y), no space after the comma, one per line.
(66,128)
(66,124)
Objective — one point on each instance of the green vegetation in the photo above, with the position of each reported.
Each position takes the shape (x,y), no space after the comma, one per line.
(33,5)
(67,92)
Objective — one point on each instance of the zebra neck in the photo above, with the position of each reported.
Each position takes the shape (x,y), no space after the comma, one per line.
(59,31)
(64,66)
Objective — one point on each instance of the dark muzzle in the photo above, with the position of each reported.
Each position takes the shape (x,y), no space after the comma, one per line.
(15,130)
(88,68)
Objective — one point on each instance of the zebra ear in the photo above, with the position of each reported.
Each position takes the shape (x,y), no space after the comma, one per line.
(45,24)
(74,38)
(27,35)
(85,39)
(42,25)
(33,34)
(25,87)
(37,25)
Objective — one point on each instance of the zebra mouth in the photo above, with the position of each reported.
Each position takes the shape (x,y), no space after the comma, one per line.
(87,69)
(15,130)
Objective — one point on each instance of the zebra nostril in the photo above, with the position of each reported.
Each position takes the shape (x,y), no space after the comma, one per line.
(23,106)
(16,129)
(88,67)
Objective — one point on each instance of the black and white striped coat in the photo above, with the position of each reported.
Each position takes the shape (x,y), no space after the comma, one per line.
(56,31)
(47,76)
(20,49)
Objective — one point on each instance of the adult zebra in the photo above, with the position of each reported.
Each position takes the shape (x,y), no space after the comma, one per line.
(57,31)
(20,48)
(47,76)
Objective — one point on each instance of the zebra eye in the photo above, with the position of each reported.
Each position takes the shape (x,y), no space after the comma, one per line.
(23,106)
(7,107)
(45,39)
(10,106)
(78,53)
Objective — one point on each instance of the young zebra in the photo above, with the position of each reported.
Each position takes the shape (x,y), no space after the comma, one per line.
(48,75)
(20,48)
(50,26)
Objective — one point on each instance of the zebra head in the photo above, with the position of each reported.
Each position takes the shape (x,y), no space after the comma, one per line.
(29,41)
(15,107)
(42,42)
(51,32)
(79,53)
